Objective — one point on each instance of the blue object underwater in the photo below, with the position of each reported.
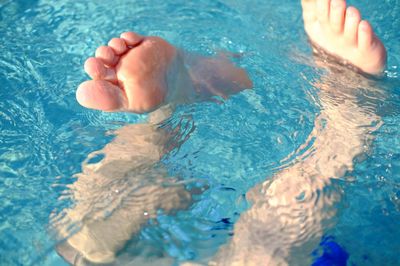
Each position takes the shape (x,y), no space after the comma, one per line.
(332,253)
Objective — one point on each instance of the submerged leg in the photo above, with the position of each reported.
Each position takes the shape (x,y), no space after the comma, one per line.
(114,198)
(291,210)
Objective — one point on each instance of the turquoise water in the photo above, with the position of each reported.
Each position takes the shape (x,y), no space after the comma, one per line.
(231,147)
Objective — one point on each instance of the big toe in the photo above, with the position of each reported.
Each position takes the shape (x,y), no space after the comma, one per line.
(100,95)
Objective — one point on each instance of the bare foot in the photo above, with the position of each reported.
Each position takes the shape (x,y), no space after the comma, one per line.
(342,33)
(130,74)
(137,74)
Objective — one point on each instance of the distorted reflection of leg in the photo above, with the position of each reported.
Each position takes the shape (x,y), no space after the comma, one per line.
(116,196)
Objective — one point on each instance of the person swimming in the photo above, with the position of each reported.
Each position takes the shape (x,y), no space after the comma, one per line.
(140,74)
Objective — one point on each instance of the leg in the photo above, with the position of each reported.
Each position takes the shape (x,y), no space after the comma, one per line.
(291,210)
(116,196)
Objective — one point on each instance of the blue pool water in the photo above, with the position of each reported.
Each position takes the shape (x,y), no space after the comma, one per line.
(231,147)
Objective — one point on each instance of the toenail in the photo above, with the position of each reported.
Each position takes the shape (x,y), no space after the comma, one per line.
(351,12)
(364,25)
(336,3)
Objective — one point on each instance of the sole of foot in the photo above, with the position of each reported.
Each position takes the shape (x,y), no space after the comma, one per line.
(129,74)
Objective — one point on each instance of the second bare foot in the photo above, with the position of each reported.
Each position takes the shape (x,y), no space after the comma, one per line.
(341,32)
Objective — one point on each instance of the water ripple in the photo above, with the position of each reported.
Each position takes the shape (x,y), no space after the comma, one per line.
(288,128)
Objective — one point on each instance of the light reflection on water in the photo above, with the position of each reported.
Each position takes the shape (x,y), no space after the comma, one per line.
(290,122)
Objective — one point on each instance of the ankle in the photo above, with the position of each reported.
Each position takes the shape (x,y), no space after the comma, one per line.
(179,82)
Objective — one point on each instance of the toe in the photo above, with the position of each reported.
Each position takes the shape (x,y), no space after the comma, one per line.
(309,10)
(96,70)
(107,55)
(323,7)
(336,15)
(118,45)
(365,35)
(352,21)
(100,95)
(131,38)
